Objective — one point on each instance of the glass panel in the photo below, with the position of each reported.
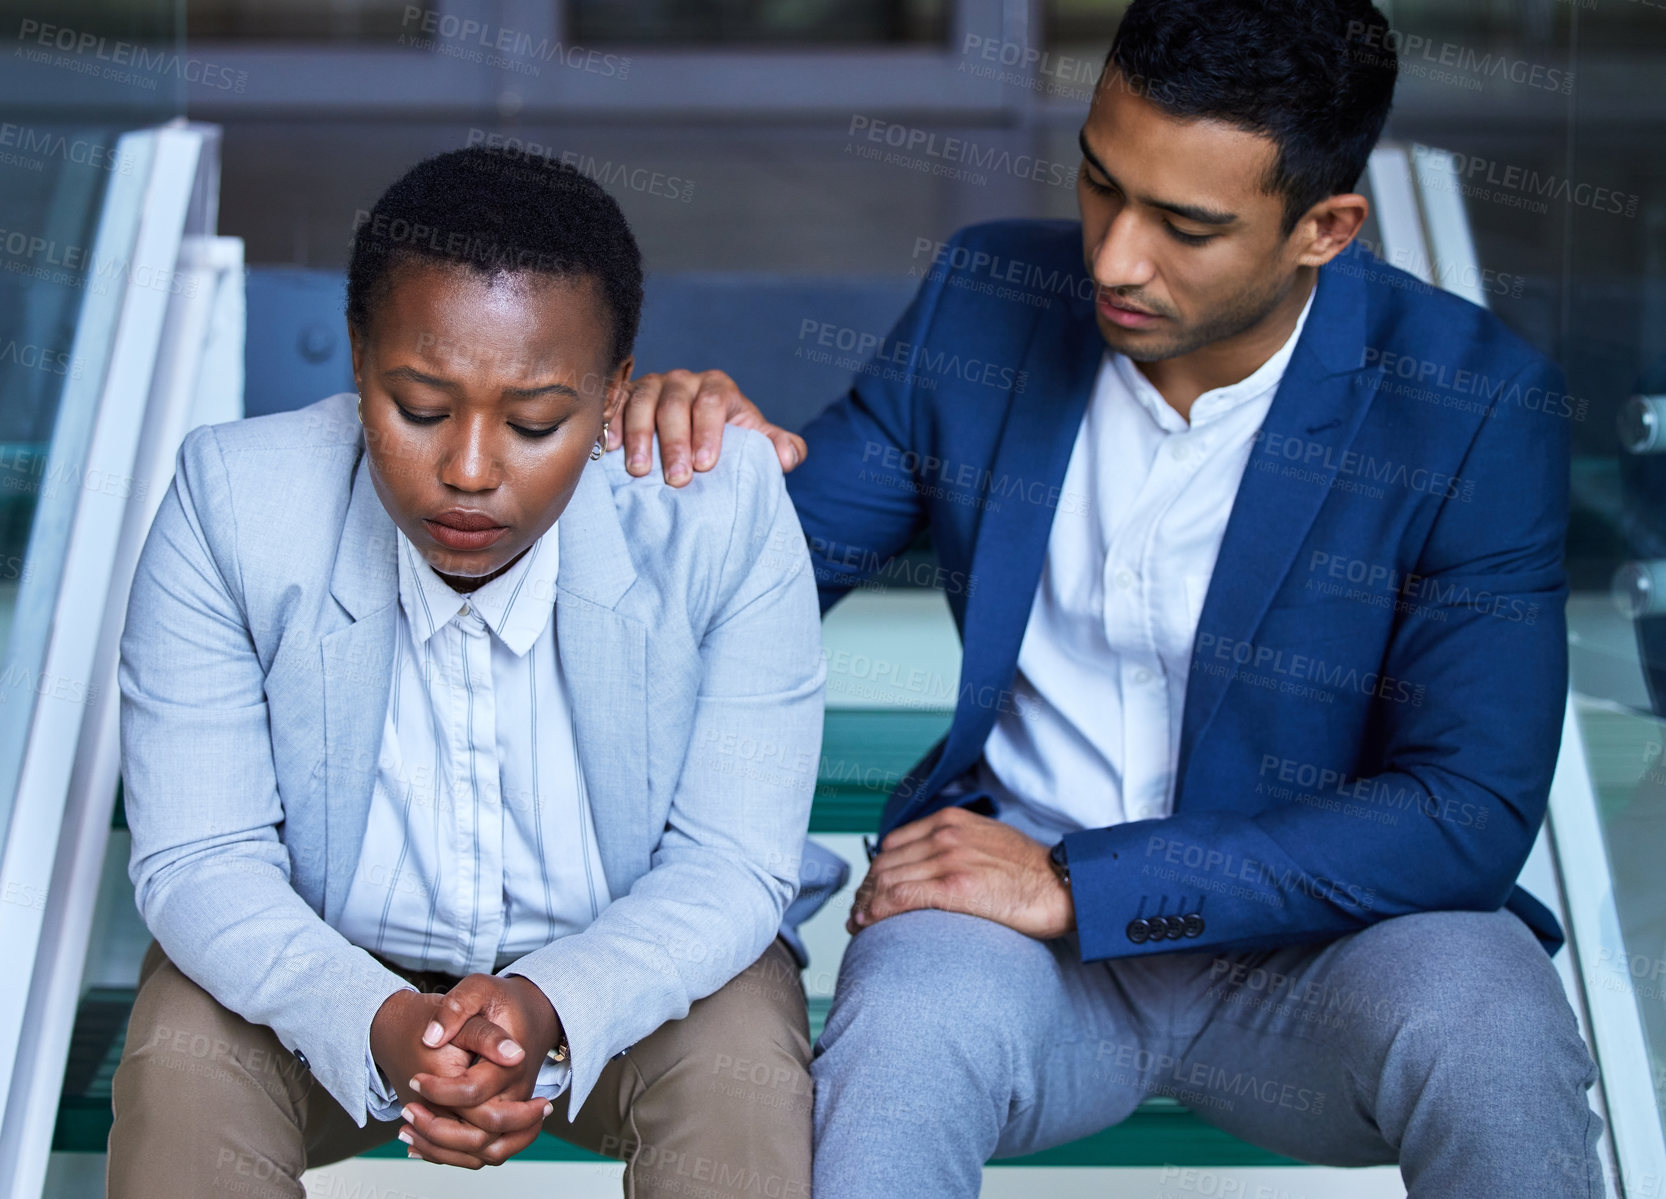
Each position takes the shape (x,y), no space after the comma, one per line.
(77,75)
(1613,334)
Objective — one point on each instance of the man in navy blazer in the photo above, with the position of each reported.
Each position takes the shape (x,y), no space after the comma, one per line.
(1264,657)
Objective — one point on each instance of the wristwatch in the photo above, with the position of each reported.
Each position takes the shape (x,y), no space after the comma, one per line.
(1061,865)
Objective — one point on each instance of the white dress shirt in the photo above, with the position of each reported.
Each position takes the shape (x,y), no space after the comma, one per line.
(480,845)
(1093,735)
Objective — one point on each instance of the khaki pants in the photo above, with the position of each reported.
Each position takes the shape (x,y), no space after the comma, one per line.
(715,1104)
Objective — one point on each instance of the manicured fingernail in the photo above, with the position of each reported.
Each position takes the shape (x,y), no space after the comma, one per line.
(509,1049)
(432,1034)
(679,474)
(548,1109)
(638,460)
(413,1154)
(405,1112)
(416,1086)
(405,1135)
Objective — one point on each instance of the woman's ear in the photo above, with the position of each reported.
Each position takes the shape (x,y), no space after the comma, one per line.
(618,387)
(357,348)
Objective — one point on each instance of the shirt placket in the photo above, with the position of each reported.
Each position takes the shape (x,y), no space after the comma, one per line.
(1135,574)
(486,795)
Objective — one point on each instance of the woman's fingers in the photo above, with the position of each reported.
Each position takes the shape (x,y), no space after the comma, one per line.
(471,1088)
(430,1151)
(509,1127)
(482,1036)
(464,1000)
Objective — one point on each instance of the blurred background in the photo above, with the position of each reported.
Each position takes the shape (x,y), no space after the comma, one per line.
(782,162)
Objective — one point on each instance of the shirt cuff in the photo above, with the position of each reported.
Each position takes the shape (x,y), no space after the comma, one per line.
(553,1079)
(381,1101)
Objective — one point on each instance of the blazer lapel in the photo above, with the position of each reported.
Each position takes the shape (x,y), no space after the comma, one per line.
(604,659)
(1320,405)
(1011,546)
(358,670)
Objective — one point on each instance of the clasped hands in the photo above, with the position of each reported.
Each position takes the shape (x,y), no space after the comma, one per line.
(957,861)
(465,1064)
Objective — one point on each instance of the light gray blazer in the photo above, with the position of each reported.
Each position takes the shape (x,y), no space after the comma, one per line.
(255,668)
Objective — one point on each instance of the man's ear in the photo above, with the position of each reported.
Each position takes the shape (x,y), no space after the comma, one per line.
(1327,228)
(618,387)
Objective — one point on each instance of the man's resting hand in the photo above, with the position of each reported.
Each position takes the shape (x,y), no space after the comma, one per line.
(958,861)
(689,411)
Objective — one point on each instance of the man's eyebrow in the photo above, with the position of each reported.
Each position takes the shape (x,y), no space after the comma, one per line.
(1190,212)
(413,375)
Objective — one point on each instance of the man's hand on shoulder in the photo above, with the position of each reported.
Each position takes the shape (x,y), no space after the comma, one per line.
(465,1063)
(958,861)
(688,412)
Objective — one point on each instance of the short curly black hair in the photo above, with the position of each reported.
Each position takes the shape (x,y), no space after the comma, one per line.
(1316,76)
(492,212)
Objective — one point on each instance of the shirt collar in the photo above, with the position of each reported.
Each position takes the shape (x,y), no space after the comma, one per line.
(1216,403)
(516,605)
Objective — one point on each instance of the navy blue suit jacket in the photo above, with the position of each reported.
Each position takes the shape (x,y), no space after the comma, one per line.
(1379,675)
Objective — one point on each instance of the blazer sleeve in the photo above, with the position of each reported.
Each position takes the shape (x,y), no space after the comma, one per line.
(855,521)
(210,873)
(1474,758)
(727,862)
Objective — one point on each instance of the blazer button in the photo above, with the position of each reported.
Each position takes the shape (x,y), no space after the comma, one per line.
(1176,926)
(1139,931)
(1194,925)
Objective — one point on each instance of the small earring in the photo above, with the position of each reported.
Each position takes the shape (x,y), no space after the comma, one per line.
(597,450)
(361,412)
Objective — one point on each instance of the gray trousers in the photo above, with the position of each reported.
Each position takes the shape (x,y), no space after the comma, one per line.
(1440,1041)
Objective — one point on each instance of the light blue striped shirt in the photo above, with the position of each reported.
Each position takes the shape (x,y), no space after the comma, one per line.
(480,845)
